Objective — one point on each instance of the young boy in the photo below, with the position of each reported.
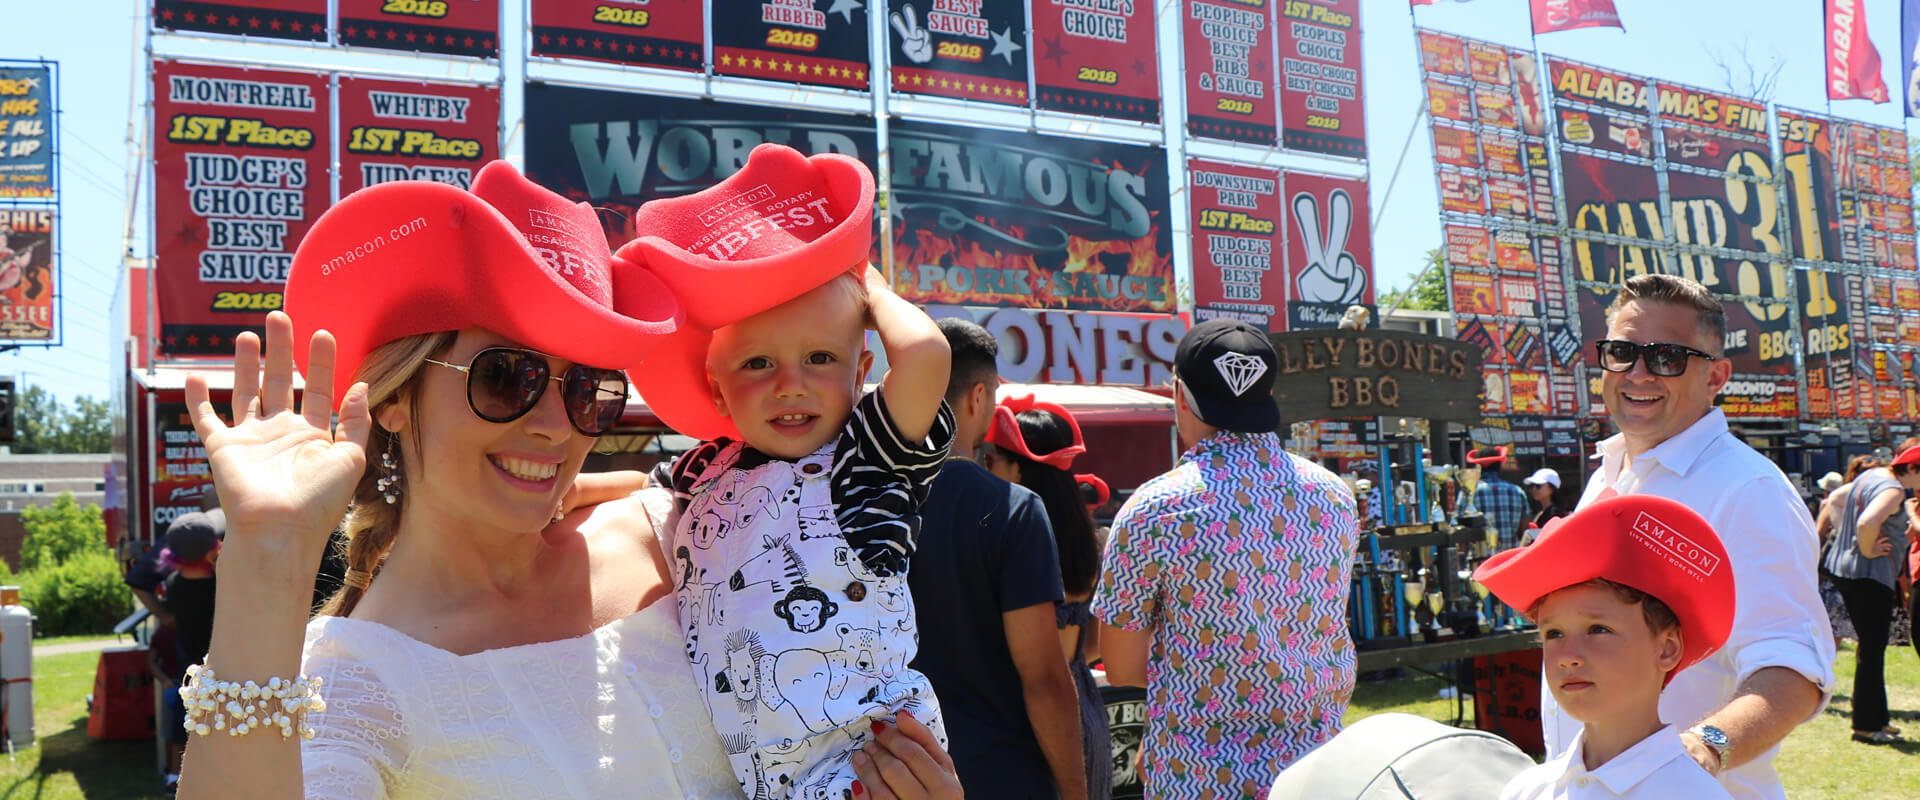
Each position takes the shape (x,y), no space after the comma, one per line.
(1627,592)
(795,521)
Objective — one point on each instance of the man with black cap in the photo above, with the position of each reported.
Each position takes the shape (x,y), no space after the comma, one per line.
(1225,583)
(193,545)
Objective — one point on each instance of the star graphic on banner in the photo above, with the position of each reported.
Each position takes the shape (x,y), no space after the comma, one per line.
(351,31)
(431,39)
(233,21)
(844,8)
(1052,50)
(253,22)
(1003,45)
(190,234)
(1139,66)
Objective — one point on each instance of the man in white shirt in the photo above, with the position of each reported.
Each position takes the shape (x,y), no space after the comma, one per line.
(1664,364)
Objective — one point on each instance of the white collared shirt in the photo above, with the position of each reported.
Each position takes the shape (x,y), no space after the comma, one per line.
(1655,768)
(1779,620)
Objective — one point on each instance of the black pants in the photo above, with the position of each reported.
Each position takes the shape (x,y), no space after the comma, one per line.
(1870,606)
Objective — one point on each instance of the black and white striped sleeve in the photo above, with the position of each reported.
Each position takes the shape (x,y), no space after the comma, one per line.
(880,479)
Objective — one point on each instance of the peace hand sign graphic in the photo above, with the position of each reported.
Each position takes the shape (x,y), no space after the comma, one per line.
(914,40)
(1331,275)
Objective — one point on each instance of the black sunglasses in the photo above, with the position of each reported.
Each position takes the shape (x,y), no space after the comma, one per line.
(1665,359)
(504,383)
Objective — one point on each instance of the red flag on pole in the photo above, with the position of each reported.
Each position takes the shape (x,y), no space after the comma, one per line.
(1853,65)
(1566,15)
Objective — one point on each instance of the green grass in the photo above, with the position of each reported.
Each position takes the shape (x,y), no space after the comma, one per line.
(1818,760)
(66,762)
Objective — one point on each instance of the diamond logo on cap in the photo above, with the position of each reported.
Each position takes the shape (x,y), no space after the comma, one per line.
(1240,371)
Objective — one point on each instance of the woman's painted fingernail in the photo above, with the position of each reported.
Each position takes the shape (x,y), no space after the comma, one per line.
(878,726)
(906,713)
(858,789)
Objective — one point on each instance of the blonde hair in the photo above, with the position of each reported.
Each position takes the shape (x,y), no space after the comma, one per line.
(371,522)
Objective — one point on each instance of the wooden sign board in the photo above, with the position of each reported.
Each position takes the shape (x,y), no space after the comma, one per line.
(1347,373)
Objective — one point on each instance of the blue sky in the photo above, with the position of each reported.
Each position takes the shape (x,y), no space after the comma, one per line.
(1667,39)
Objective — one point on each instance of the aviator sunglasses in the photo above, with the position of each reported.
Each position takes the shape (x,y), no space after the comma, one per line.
(1664,359)
(504,383)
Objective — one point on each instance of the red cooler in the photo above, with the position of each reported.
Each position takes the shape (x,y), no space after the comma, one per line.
(122,706)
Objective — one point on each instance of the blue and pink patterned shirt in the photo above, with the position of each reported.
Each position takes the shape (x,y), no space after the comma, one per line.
(1238,562)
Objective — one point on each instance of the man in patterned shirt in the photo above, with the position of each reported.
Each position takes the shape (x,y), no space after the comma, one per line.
(1504,503)
(1225,588)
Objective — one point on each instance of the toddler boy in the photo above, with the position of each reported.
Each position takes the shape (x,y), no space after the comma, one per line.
(1627,592)
(796,517)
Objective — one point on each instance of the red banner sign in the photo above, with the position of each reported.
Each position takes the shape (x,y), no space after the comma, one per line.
(27,274)
(968,49)
(302,20)
(240,173)
(394,131)
(1329,243)
(1320,82)
(662,33)
(1096,58)
(1236,211)
(1853,65)
(453,27)
(1229,69)
(792,41)
(1566,15)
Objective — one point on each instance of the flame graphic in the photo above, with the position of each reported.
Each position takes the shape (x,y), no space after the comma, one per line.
(1101,262)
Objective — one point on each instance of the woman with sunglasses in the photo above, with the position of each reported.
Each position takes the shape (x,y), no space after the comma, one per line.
(1033,443)
(473,342)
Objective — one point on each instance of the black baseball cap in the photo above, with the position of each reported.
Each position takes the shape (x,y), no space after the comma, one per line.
(1228,368)
(194,534)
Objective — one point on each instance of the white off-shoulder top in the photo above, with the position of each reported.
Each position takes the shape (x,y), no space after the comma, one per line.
(610,714)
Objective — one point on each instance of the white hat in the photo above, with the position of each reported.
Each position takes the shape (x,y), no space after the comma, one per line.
(1544,475)
(1830,481)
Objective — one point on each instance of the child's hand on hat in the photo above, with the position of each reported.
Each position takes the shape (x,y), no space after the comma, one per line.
(877,285)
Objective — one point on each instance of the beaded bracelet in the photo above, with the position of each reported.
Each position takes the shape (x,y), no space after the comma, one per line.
(241,708)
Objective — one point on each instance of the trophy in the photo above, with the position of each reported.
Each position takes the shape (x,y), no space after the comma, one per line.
(1411,591)
(1437,478)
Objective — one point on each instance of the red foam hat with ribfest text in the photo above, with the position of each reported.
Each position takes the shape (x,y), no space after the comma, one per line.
(412,257)
(782,226)
(1652,544)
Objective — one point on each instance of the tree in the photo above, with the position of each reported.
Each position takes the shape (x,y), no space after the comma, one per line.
(1744,78)
(43,424)
(1429,290)
(59,532)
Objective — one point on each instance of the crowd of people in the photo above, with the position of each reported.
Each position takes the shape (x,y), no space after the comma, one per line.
(902,592)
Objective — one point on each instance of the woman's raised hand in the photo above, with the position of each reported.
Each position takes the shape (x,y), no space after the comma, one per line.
(284,474)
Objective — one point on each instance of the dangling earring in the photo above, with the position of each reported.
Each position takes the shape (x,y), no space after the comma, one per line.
(389,482)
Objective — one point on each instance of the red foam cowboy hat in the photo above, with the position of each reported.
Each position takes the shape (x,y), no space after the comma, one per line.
(782,226)
(1650,543)
(413,257)
(1005,431)
(1908,456)
(1091,483)
(1492,456)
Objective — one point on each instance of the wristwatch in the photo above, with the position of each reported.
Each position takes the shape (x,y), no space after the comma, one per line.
(1714,738)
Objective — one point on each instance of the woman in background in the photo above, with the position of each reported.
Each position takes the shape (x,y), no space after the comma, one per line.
(1033,444)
